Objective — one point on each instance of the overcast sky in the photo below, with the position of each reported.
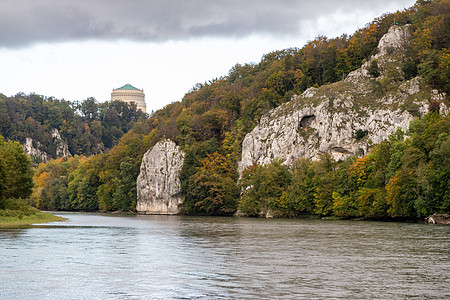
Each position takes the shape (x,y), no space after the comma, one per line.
(85,48)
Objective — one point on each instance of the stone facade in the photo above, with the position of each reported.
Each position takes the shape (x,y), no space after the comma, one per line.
(129,94)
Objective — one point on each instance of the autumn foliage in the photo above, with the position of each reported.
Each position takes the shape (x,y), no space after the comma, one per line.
(399,178)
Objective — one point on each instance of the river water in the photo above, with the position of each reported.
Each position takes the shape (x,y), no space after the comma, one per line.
(92,256)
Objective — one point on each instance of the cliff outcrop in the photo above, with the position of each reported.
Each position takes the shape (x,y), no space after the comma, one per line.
(34,148)
(158,183)
(62,149)
(347,117)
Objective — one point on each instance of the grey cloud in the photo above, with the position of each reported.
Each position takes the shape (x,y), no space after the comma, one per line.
(26,22)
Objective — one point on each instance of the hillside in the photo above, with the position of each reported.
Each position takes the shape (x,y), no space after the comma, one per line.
(210,124)
(348,117)
(50,128)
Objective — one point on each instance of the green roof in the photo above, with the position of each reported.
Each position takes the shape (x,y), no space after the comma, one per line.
(128,87)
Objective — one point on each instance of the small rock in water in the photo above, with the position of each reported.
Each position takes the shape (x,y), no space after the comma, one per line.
(438,219)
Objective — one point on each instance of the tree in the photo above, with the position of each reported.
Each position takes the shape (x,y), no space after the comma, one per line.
(263,187)
(439,177)
(329,62)
(325,183)
(90,109)
(213,189)
(444,67)
(58,195)
(54,117)
(373,68)
(299,196)
(344,206)
(2,179)
(82,187)
(192,161)
(15,168)
(429,67)
(124,196)
(399,195)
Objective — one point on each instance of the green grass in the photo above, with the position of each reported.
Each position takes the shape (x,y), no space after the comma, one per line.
(14,218)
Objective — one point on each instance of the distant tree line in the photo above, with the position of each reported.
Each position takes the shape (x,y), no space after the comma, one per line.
(88,127)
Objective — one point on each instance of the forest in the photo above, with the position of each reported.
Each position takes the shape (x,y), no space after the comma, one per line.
(406,177)
(88,127)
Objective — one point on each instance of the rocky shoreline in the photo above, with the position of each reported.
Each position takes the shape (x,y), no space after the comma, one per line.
(438,219)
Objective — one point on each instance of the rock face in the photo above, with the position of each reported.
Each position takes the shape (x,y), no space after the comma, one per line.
(344,118)
(158,183)
(391,50)
(62,149)
(34,148)
(438,219)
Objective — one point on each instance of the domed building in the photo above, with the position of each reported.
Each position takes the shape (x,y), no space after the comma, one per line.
(128,94)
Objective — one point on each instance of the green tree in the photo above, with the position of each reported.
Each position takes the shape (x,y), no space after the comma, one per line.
(373,68)
(54,117)
(58,194)
(82,188)
(124,196)
(325,183)
(2,178)
(399,196)
(16,168)
(429,67)
(344,206)
(263,187)
(444,67)
(213,188)
(193,161)
(439,177)
(299,196)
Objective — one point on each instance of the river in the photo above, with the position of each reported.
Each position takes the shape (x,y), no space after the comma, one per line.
(92,256)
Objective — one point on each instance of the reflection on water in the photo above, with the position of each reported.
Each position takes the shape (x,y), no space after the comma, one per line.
(93,256)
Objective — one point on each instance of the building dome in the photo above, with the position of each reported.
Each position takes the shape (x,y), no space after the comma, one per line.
(128,94)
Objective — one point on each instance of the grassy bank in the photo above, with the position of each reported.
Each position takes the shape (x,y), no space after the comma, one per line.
(12,218)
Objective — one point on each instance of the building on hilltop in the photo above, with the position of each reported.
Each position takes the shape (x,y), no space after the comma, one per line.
(129,94)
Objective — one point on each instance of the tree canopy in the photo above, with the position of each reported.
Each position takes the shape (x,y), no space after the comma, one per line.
(16,175)
(399,178)
(88,127)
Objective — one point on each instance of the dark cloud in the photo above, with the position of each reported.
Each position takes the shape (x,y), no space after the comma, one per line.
(26,22)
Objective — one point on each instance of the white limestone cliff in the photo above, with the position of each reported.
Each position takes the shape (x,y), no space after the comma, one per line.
(391,50)
(34,148)
(327,119)
(158,183)
(62,149)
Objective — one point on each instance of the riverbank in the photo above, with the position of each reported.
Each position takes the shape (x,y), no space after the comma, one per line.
(13,218)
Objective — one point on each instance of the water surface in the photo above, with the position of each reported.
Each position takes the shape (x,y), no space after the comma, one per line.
(92,256)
